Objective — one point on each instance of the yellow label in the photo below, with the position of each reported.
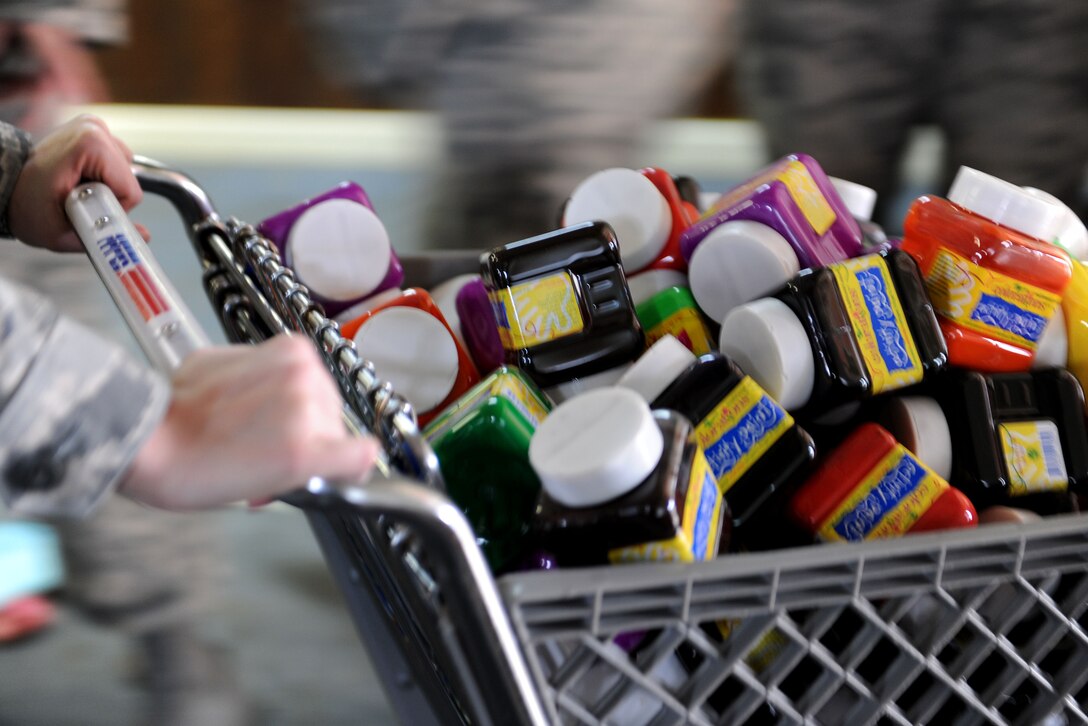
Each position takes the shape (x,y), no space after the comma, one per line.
(1075,307)
(989,302)
(887,501)
(1033,457)
(740,429)
(801,187)
(698,536)
(513,389)
(537,311)
(764,652)
(880,325)
(808,197)
(687,327)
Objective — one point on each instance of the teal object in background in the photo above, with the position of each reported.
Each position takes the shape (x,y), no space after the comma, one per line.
(30,560)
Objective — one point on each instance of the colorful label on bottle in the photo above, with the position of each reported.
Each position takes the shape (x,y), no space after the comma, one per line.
(1033,457)
(686,326)
(537,311)
(504,383)
(880,325)
(740,429)
(697,538)
(989,302)
(802,188)
(515,390)
(765,651)
(887,501)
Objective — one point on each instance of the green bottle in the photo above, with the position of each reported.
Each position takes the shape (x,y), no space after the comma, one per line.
(482,444)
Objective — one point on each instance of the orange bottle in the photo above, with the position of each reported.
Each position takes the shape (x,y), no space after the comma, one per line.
(413,347)
(993,281)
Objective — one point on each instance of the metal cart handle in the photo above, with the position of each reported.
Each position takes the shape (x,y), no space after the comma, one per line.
(411,548)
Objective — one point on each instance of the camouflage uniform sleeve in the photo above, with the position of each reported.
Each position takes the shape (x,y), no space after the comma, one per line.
(74,409)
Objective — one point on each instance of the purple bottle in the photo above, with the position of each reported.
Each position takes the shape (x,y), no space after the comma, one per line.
(337,247)
(794,197)
(478,327)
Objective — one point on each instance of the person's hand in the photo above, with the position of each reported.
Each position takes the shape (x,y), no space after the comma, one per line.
(247,423)
(82,149)
(47,69)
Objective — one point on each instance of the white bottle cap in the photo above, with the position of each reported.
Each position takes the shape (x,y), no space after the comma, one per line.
(596,447)
(340,249)
(367,304)
(658,367)
(631,205)
(1073,235)
(577,386)
(444,295)
(1006,204)
(858,198)
(919,424)
(769,343)
(645,285)
(412,350)
(739,262)
(1053,348)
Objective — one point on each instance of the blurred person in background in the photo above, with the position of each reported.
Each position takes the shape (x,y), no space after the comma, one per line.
(153,575)
(1006,81)
(533,97)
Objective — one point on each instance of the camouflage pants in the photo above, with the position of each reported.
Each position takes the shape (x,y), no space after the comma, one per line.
(129,567)
(533,97)
(845,80)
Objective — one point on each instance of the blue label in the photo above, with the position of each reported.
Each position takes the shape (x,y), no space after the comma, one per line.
(1001,313)
(889,336)
(737,441)
(893,487)
(708,499)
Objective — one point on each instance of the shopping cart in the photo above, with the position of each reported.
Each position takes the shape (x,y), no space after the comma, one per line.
(980,626)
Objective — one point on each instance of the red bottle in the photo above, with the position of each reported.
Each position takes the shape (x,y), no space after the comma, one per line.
(871,487)
(992,279)
(413,347)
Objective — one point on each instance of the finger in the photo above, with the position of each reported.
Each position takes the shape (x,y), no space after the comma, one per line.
(144,231)
(350,460)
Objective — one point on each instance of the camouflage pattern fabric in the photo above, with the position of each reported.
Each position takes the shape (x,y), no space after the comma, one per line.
(845,80)
(74,409)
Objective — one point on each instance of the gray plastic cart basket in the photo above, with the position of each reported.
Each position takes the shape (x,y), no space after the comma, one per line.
(982,626)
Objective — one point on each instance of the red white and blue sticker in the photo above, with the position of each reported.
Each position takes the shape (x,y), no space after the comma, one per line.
(132,273)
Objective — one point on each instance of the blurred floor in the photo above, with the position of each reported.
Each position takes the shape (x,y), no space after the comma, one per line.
(297,653)
(299,656)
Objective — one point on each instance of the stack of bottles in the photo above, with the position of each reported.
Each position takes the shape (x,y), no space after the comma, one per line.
(663,378)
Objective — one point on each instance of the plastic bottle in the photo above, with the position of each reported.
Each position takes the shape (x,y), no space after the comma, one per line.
(622,483)
(412,347)
(673,311)
(838,334)
(337,246)
(482,445)
(872,487)
(643,207)
(562,306)
(1019,439)
(993,280)
(738,262)
(656,369)
(757,453)
(860,201)
(794,197)
(481,334)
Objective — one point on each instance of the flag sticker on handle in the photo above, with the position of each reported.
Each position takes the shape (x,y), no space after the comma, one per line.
(128,267)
